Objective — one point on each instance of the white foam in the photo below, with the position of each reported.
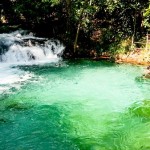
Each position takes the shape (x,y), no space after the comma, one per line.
(19,54)
(17,49)
(12,77)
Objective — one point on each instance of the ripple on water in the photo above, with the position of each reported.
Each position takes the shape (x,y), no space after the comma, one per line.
(86,106)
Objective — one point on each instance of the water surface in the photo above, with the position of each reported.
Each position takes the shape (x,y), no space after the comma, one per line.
(77,105)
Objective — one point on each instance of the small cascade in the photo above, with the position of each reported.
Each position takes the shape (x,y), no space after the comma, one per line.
(18,47)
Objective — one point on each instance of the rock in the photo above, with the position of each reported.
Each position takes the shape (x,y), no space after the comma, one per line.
(147,72)
(147,75)
(142,109)
(3,120)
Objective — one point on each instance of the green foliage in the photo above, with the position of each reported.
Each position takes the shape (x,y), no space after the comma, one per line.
(115,20)
(52,2)
(146,15)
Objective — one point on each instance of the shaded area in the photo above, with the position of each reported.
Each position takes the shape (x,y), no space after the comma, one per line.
(100,26)
(46,127)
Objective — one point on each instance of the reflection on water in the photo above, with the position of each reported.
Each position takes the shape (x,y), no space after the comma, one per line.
(80,105)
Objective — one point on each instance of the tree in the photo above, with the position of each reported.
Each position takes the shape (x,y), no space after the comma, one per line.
(146,15)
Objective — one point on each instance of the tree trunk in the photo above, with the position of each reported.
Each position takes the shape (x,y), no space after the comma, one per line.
(133,35)
(79,25)
(68,25)
(78,30)
(68,14)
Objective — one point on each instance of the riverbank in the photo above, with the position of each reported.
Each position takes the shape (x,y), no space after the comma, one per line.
(137,57)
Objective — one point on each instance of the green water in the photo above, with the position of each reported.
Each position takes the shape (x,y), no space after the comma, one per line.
(80,105)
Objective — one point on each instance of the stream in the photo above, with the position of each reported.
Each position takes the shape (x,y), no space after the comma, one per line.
(73,105)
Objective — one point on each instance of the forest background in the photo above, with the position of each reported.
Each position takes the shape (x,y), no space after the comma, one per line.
(88,28)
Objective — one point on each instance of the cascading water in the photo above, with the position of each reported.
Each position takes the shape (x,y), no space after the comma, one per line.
(20,48)
(17,48)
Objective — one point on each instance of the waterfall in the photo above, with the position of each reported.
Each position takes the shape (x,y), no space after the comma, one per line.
(18,48)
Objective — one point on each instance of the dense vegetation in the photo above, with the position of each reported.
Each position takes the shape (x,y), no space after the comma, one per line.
(86,27)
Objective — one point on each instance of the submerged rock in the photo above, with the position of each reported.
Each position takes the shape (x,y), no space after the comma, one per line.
(142,109)
(4,119)
(18,106)
(147,72)
(147,75)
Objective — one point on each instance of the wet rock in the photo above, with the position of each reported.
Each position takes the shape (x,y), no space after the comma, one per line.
(3,120)
(142,109)
(18,106)
(147,76)
(147,73)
